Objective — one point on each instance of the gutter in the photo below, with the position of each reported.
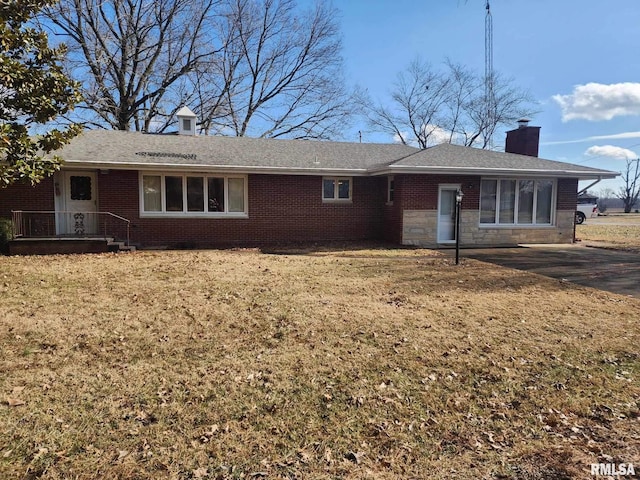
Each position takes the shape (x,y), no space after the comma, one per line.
(218,168)
(484,171)
(375,171)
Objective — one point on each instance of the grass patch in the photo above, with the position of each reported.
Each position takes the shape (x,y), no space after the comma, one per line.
(621,232)
(317,364)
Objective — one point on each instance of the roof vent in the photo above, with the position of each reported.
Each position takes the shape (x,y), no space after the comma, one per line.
(186,122)
(523,123)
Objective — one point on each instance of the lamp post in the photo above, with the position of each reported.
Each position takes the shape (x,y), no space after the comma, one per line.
(459,196)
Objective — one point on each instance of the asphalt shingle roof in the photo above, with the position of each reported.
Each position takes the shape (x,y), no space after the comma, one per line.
(118,149)
(138,149)
(448,156)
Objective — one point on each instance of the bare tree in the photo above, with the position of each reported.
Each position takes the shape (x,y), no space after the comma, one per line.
(604,198)
(430,106)
(129,54)
(280,73)
(631,190)
(248,67)
(418,96)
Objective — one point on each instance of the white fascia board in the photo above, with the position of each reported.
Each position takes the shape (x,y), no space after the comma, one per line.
(351,172)
(503,172)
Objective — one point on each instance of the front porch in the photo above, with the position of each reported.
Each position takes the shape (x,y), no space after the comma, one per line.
(62,232)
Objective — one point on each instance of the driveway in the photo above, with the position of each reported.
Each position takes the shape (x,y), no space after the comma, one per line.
(610,270)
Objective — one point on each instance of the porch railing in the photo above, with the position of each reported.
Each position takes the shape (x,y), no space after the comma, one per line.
(70,224)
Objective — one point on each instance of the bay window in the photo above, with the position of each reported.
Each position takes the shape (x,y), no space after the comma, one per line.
(193,195)
(516,201)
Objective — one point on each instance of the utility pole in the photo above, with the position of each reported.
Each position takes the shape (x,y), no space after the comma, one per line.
(489,94)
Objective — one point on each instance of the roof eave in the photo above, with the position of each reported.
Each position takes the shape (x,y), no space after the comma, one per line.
(489,171)
(217,168)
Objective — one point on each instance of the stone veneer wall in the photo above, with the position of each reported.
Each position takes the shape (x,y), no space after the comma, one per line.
(419,227)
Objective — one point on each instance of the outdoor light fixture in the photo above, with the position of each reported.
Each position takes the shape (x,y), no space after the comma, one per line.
(459,196)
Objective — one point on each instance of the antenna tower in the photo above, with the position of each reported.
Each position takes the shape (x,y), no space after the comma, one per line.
(489,94)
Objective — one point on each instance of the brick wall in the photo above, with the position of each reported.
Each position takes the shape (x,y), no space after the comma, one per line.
(567,193)
(420,192)
(26,197)
(282,208)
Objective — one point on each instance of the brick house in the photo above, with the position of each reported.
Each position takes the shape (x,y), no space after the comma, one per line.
(187,190)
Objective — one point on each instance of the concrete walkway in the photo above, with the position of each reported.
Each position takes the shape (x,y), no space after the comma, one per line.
(609,270)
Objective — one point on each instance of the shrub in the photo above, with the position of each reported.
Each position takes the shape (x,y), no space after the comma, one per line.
(6,234)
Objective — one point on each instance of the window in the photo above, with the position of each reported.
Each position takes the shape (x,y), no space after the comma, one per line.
(80,188)
(390,190)
(194,195)
(516,202)
(336,189)
(186,124)
(152,193)
(173,189)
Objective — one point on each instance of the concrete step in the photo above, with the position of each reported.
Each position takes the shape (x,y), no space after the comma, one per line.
(118,246)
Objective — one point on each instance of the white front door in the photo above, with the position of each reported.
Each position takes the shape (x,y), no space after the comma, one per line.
(80,204)
(447,213)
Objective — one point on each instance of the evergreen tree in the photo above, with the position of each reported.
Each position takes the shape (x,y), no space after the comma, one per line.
(34,91)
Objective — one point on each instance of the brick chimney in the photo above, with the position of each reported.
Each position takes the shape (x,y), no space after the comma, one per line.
(523,140)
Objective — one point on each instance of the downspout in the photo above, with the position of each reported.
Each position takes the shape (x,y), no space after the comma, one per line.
(591,185)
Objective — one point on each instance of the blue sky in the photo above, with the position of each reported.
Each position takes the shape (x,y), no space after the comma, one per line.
(579,59)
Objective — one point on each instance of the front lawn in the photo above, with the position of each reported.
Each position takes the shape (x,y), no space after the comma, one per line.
(315,364)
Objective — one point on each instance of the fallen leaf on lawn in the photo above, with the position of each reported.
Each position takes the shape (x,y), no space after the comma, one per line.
(200,472)
(328,456)
(15,402)
(41,453)
(354,457)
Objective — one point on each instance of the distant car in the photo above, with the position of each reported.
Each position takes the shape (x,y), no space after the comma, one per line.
(587,207)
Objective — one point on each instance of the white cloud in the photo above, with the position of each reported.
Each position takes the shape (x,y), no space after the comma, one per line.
(613,136)
(436,136)
(596,101)
(617,153)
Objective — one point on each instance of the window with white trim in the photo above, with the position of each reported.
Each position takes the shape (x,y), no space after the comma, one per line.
(336,189)
(190,194)
(390,189)
(517,201)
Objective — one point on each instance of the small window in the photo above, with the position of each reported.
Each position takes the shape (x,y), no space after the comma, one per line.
(80,188)
(186,124)
(336,189)
(390,189)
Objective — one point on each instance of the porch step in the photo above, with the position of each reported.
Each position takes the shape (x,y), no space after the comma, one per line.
(56,245)
(118,246)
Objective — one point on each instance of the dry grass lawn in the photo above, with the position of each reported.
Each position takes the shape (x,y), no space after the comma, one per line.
(354,364)
(619,231)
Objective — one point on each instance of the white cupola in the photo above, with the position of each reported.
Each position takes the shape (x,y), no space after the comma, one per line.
(186,121)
